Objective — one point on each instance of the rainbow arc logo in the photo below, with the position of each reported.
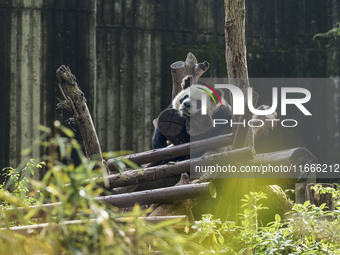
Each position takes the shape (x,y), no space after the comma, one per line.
(208,92)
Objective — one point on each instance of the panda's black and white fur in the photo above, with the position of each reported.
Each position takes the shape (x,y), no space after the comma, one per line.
(188,103)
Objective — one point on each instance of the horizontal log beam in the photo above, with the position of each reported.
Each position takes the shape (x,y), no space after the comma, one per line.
(176,151)
(290,158)
(132,177)
(163,195)
(186,149)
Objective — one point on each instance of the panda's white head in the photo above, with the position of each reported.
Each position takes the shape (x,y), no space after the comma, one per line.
(188,101)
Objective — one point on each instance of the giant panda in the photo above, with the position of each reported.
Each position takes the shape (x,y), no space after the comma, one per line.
(188,103)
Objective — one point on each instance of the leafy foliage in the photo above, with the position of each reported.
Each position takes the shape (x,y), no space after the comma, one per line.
(308,229)
(324,190)
(18,182)
(78,224)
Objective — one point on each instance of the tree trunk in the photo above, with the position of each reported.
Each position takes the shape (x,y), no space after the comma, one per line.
(236,58)
(233,190)
(180,69)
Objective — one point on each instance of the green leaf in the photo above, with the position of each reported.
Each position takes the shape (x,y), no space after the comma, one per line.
(277,218)
(68,132)
(62,147)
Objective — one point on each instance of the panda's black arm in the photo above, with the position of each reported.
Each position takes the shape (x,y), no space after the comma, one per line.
(158,139)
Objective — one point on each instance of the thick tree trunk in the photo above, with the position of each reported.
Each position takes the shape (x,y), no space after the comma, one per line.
(233,190)
(236,58)
(236,41)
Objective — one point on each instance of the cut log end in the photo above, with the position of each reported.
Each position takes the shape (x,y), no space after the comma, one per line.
(212,190)
(177,65)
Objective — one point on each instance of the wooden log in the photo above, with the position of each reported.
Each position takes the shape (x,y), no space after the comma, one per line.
(315,197)
(193,147)
(75,101)
(36,229)
(176,151)
(296,156)
(291,158)
(131,177)
(179,130)
(172,125)
(163,195)
(180,69)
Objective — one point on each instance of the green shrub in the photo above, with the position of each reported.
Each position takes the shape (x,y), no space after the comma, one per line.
(100,229)
(308,229)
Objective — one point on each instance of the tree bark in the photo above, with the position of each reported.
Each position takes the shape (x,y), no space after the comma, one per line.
(132,177)
(163,195)
(180,69)
(172,152)
(317,198)
(235,38)
(291,157)
(75,102)
(236,58)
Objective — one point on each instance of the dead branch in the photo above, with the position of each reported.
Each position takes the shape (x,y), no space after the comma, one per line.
(75,100)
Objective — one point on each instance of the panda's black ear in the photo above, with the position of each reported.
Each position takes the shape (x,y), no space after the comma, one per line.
(187,81)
